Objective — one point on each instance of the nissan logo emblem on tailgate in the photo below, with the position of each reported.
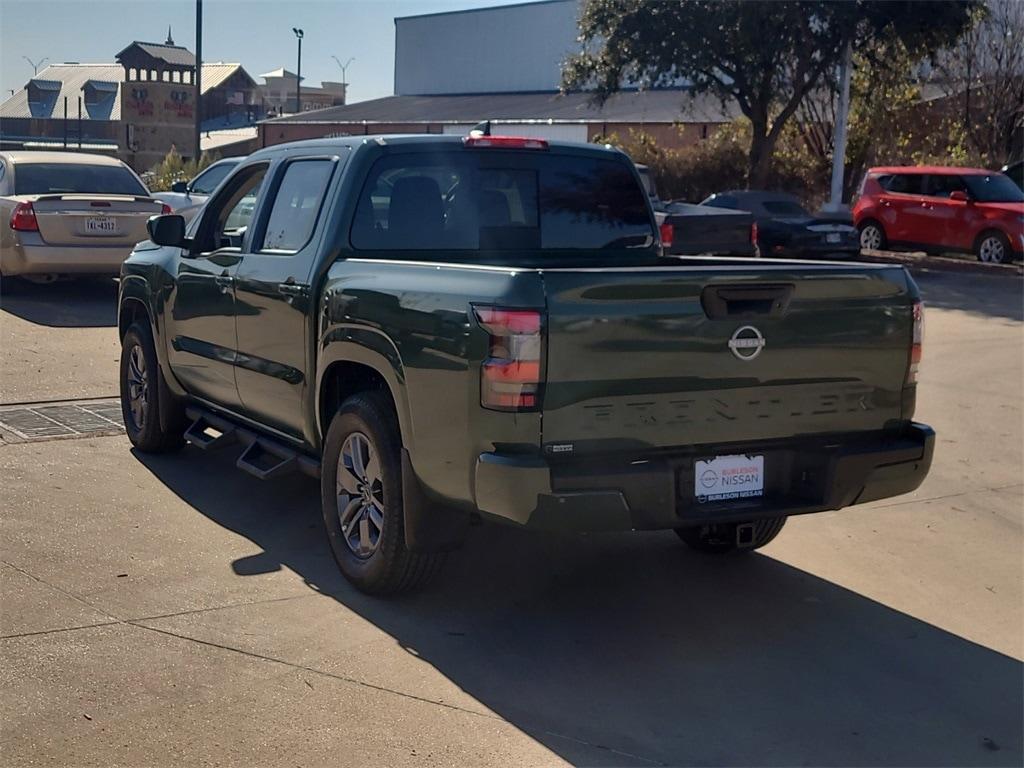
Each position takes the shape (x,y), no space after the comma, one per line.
(746,342)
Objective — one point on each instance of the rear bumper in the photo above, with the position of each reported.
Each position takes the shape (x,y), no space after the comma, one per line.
(29,259)
(801,477)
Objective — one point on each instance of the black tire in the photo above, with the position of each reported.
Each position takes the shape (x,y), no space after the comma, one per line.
(145,415)
(720,539)
(382,565)
(993,247)
(879,242)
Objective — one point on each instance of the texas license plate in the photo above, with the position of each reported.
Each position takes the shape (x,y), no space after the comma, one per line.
(101,225)
(728,477)
(833,237)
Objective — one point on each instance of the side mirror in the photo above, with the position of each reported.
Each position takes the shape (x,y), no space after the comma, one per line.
(168,230)
(179,186)
(960,196)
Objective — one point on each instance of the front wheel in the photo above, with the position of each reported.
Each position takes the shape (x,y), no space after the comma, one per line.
(143,395)
(725,538)
(994,248)
(361,497)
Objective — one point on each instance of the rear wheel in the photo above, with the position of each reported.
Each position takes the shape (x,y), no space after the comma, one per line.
(872,236)
(993,248)
(155,423)
(724,538)
(361,497)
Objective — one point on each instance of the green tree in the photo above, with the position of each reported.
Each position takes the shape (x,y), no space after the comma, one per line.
(767,56)
(172,168)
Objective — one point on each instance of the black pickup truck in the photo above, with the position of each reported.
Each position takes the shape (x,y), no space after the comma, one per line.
(444,329)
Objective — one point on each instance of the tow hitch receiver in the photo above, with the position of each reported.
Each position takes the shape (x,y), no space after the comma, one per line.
(745,535)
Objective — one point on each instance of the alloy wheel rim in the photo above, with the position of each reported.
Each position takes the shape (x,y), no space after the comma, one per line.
(360,494)
(871,238)
(138,387)
(991,250)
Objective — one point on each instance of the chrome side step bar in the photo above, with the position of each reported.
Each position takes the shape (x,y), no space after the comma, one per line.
(262,456)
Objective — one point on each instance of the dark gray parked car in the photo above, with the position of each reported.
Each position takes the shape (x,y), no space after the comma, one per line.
(696,230)
(785,228)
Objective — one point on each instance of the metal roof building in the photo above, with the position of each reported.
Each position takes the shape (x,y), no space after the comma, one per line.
(43,96)
(502,63)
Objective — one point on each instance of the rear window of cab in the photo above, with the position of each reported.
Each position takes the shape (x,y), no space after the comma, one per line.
(500,200)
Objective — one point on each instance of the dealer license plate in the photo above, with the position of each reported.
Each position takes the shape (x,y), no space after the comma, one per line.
(833,237)
(728,477)
(101,225)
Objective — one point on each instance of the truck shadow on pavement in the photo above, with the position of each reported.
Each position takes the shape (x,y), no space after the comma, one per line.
(84,303)
(631,650)
(997,296)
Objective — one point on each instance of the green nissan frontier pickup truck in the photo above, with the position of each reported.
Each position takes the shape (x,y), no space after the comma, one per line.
(446,329)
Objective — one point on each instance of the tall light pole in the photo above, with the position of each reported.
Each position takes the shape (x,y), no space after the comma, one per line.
(198,112)
(344,80)
(299,34)
(36,65)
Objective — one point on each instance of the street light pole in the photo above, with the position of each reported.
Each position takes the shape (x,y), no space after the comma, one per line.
(36,65)
(344,79)
(198,112)
(299,34)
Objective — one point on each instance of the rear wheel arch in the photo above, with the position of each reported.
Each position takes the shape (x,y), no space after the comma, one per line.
(341,380)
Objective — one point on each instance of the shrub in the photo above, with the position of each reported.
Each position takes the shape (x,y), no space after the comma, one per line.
(172,168)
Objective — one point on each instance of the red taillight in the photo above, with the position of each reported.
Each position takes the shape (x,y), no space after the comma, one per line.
(506,142)
(510,376)
(23,218)
(165,209)
(667,233)
(753,234)
(917,340)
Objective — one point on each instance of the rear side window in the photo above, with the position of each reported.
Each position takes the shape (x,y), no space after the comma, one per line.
(942,185)
(66,178)
(784,208)
(491,200)
(904,183)
(297,204)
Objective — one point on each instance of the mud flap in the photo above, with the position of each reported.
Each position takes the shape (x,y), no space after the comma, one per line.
(429,526)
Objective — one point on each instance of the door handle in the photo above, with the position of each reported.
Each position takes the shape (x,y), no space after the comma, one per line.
(291,291)
(224,282)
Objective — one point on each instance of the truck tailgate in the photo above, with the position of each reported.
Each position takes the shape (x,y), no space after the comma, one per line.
(641,358)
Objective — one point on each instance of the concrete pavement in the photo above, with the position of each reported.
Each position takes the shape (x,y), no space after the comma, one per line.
(173,610)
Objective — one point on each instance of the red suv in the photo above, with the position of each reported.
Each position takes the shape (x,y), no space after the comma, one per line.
(941,209)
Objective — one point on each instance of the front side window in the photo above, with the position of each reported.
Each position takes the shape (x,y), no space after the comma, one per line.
(994,188)
(227,219)
(494,200)
(297,204)
(206,182)
(67,178)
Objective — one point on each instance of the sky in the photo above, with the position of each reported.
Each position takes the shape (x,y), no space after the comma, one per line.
(256,33)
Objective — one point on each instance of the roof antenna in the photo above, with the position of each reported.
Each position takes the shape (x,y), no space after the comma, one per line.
(481,129)
(170,40)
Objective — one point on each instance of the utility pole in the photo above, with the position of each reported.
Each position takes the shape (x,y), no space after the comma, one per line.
(198,111)
(299,34)
(36,65)
(835,203)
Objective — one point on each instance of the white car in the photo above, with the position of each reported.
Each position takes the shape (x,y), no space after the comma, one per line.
(192,194)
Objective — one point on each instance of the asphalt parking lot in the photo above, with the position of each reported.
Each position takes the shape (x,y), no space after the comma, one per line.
(172,610)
